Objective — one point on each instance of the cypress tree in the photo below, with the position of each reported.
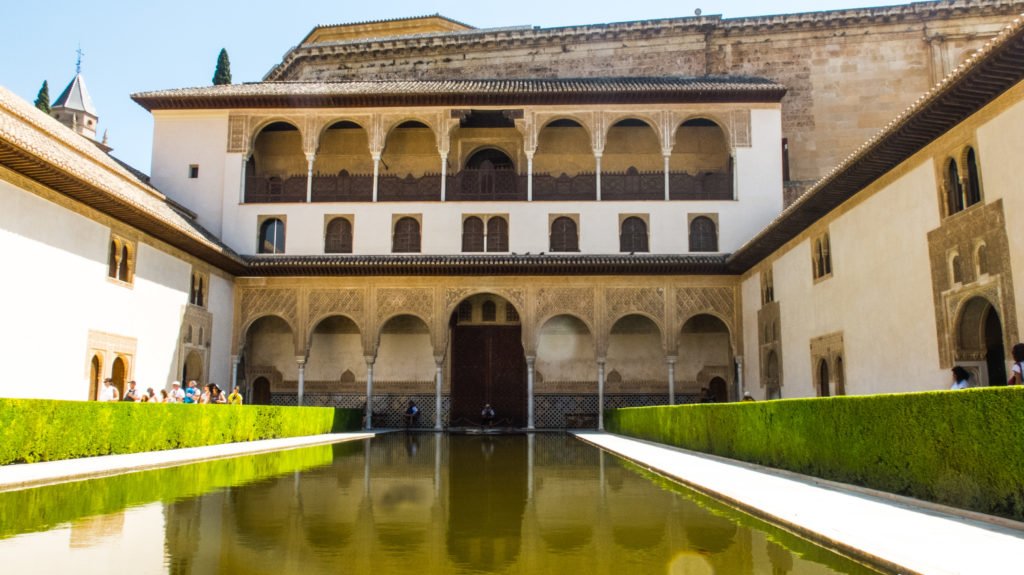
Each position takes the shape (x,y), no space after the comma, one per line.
(43,98)
(223,73)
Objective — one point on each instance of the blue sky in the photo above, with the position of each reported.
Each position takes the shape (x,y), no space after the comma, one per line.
(155,44)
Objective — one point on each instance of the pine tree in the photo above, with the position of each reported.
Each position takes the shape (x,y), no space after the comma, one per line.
(43,98)
(223,73)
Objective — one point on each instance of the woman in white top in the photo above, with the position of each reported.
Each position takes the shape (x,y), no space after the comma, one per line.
(960,377)
(1017,377)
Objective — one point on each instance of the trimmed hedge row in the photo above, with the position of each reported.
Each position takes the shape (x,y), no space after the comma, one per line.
(46,430)
(963,448)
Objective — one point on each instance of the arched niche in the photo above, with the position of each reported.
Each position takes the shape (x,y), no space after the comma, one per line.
(405,352)
(636,351)
(632,143)
(566,351)
(410,149)
(270,344)
(344,146)
(704,351)
(335,346)
(563,147)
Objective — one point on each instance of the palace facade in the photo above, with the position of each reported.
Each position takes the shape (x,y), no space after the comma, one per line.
(547,220)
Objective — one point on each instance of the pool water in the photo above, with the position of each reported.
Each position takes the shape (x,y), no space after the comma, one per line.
(398,503)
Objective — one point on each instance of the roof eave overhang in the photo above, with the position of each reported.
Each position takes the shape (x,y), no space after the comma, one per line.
(37,169)
(506,265)
(277,101)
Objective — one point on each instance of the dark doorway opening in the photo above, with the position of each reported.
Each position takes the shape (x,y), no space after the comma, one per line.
(261,391)
(995,353)
(488,364)
(718,390)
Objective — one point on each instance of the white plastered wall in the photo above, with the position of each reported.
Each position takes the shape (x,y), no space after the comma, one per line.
(62,293)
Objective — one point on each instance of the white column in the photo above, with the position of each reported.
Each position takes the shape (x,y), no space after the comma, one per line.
(530,360)
(600,394)
(597,173)
(671,361)
(310,158)
(234,371)
(667,194)
(438,382)
(241,190)
(444,175)
(739,377)
(302,376)
(369,393)
(376,174)
(529,176)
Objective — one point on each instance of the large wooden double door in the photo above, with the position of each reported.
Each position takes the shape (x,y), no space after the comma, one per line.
(488,366)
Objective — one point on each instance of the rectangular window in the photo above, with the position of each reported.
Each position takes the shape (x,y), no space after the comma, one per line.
(193,171)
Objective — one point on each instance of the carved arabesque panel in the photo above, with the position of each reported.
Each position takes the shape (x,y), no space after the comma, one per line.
(575,301)
(336,301)
(623,301)
(414,301)
(265,301)
(693,301)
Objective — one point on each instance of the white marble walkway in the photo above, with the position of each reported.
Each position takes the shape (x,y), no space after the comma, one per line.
(888,529)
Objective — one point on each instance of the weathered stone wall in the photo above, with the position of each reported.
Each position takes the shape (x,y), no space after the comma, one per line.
(848,72)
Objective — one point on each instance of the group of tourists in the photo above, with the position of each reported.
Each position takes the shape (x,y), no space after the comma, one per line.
(211,393)
(962,377)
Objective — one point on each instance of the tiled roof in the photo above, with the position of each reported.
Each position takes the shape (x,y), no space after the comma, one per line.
(76,97)
(41,148)
(459,92)
(478,265)
(992,70)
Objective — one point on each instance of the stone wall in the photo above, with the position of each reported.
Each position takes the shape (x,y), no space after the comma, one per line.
(848,72)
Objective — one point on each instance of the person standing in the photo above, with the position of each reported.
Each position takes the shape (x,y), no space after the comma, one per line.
(487,415)
(235,398)
(960,377)
(191,393)
(177,394)
(132,394)
(109,392)
(411,413)
(1017,371)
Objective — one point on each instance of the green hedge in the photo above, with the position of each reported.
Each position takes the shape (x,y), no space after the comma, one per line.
(44,430)
(963,448)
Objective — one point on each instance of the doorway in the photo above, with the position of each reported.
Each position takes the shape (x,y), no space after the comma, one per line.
(488,362)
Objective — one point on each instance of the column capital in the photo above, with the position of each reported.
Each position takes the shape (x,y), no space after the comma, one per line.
(301,360)
(601,361)
(370,359)
(376,155)
(310,157)
(530,360)
(439,361)
(598,153)
(670,359)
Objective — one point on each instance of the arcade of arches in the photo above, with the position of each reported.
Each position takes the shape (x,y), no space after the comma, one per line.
(452,345)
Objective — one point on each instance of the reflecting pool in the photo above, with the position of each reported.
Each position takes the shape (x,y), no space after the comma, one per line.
(398,503)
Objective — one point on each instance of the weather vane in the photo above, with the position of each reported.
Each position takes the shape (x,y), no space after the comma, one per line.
(78,62)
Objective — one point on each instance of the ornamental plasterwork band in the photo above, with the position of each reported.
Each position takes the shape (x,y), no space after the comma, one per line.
(718,300)
(243,128)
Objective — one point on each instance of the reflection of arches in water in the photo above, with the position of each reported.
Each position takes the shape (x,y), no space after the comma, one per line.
(710,533)
(261,513)
(488,496)
(565,539)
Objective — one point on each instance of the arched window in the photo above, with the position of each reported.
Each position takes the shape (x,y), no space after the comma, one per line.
(497,234)
(338,239)
(199,293)
(272,236)
(563,235)
(489,311)
(115,253)
(840,377)
(473,234)
(634,235)
(122,265)
(511,315)
(954,189)
(823,379)
(407,236)
(982,258)
(826,249)
(192,290)
(973,178)
(703,235)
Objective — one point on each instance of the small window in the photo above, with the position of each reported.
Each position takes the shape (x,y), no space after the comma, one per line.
(489,311)
(497,234)
(973,178)
(465,312)
(564,237)
(121,260)
(703,235)
(511,315)
(197,289)
(956,270)
(338,238)
(193,171)
(954,188)
(633,237)
(407,236)
(473,234)
(982,258)
(271,236)
(767,287)
(822,257)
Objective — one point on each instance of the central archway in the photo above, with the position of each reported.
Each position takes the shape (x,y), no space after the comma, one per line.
(488,364)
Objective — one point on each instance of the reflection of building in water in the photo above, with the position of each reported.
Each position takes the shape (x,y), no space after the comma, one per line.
(88,531)
(463,504)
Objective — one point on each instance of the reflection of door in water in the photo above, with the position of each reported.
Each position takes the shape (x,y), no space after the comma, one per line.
(261,391)
(488,366)
(718,390)
(995,354)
